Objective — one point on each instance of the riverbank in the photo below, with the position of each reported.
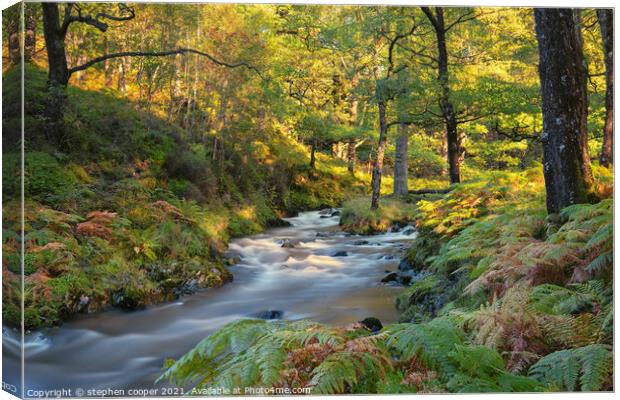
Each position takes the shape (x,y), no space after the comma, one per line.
(126,213)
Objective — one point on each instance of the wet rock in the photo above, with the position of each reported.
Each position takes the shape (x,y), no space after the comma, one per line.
(404,280)
(409,231)
(323,234)
(288,244)
(341,254)
(269,314)
(361,242)
(277,223)
(391,277)
(405,265)
(335,213)
(373,324)
(284,266)
(388,257)
(232,261)
(83,304)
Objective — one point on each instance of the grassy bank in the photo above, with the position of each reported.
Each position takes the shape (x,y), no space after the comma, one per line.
(124,210)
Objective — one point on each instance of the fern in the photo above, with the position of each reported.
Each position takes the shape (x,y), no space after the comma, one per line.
(291,354)
(429,342)
(586,368)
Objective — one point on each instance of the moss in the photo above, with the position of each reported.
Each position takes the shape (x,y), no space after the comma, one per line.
(357,217)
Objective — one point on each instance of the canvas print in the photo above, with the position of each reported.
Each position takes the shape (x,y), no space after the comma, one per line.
(270,199)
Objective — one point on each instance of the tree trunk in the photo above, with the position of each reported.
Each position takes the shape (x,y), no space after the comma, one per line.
(55,45)
(30,31)
(377,167)
(313,154)
(107,64)
(351,156)
(606,21)
(447,108)
(121,83)
(401,179)
(564,107)
(12,21)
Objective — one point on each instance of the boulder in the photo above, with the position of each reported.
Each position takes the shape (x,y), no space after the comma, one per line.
(391,277)
(372,324)
(288,244)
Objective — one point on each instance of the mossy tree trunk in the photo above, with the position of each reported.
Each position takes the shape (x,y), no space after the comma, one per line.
(564,107)
(606,22)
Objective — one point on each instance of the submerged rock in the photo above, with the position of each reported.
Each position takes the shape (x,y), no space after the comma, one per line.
(269,314)
(341,254)
(361,242)
(373,324)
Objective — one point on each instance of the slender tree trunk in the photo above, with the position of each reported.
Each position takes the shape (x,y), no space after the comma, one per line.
(564,107)
(12,21)
(401,179)
(30,31)
(313,153)
(121,84)
(107,64)
(351,156)
(377,167)
(606,21)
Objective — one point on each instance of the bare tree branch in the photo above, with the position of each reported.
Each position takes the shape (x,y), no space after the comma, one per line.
(126,14)
(162,54)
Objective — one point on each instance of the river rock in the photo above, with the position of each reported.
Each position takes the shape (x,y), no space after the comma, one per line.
(373,324)
(277,223)
(288,244)
(269,314)
(341,254)
(409,231)
(361,242)
(391,277)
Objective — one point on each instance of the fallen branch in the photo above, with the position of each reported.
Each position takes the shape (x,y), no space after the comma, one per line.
(431,191)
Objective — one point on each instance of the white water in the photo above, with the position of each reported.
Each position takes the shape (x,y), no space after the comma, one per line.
(123,350)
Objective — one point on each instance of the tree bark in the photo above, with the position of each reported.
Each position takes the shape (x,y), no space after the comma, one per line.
(564,106)
(313,153)
(606,22)
(351,156)
(55,45)
(107,65)
(12,21)
(401,179)
(447,108)
(30,31)
(377,167)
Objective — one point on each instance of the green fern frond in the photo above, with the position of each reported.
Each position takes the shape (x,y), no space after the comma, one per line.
(428,342)
(586,368)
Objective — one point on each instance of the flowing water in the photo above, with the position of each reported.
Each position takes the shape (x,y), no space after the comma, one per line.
(123,350)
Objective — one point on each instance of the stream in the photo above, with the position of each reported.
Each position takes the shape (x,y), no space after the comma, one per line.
(328,276)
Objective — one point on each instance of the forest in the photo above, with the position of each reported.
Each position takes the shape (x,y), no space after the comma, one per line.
(157,139)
